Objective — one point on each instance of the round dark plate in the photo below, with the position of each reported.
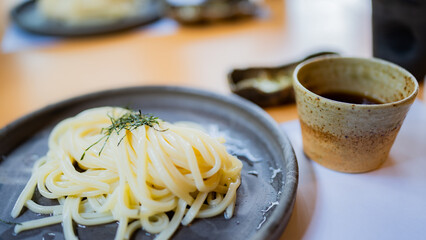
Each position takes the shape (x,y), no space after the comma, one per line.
(27,16)
(269,177)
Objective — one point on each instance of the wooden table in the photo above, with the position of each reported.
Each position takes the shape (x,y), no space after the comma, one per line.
(168,54)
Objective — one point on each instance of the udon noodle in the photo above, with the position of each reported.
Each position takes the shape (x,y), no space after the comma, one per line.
(86,12)
(138,175)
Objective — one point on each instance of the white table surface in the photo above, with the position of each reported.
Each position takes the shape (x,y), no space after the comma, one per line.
(388,203)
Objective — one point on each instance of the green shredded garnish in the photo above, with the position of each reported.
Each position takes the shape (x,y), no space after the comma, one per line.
(129,122)
(10,223)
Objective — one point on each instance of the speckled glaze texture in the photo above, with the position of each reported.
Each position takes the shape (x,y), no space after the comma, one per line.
(351,137)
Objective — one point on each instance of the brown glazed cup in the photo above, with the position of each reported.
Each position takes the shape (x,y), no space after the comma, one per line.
(350,137)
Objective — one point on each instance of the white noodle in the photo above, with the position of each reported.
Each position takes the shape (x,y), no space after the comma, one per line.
(140,176)
(84,12)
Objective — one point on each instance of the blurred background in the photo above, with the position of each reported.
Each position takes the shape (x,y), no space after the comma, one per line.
(36,70)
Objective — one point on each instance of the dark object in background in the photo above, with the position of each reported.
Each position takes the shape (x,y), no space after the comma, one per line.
(204,11)
(28,17)
(267,86)
(399,33)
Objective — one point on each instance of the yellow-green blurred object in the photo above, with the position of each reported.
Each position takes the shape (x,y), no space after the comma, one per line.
(266,86)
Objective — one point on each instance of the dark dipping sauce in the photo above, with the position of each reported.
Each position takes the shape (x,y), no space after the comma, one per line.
(354,98)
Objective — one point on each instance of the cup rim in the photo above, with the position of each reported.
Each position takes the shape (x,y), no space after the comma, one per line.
(372,59)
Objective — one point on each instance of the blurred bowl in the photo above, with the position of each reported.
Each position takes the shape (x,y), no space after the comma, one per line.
(203,11)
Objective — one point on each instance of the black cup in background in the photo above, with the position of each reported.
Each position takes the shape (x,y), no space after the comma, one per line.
(399,33)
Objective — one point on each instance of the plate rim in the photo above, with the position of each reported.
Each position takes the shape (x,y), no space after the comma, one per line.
(15,16)
(278,220)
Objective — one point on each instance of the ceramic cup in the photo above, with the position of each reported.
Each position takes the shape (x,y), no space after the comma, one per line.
(350,137)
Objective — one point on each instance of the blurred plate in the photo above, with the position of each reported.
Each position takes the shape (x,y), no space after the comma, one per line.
(28,17)
(269,177)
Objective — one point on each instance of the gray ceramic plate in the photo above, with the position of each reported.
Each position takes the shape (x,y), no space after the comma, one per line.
(264,201)
(27,16)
